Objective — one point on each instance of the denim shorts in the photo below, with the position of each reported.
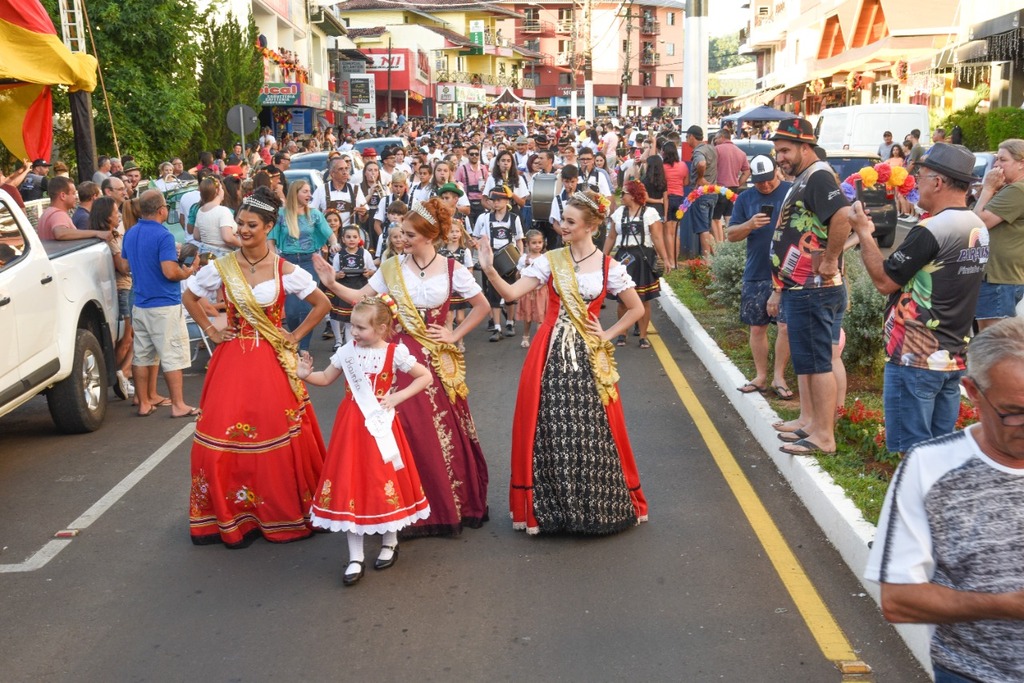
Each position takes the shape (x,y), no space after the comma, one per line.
(814,317)
(700,213)
(998,301)
(919,405)
(754,303)
(125,301)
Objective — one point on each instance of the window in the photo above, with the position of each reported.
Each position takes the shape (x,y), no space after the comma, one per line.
(563,46)
(670,49)
(12,241)
(670,80)
(564,79)
(565,15)
(532,14)
(670,19)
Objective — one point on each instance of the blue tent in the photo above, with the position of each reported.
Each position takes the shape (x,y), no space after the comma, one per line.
(761,113)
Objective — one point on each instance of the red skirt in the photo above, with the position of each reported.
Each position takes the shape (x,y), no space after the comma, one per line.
(257,453)
(358,491)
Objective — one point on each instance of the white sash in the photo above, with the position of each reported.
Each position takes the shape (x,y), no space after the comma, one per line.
(378,421)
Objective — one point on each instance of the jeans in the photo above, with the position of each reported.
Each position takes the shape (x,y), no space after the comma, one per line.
(919,404)
(296,309)
(814,316)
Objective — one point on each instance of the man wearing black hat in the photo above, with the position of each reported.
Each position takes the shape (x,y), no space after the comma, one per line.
(35,183)
(806,252)
(932,282)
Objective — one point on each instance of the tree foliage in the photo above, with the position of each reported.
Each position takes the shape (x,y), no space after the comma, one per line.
(724,52)
(232,73)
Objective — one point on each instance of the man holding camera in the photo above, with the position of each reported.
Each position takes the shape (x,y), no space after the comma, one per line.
(753,219)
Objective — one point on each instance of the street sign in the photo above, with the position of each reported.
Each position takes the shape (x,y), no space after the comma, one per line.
(242,119)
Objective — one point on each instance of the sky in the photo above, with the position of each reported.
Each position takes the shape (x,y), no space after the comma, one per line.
(727,16)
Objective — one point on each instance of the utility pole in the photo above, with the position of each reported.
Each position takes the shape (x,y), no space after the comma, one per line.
(627,75)
(387,106)
(695,64)
(588,63)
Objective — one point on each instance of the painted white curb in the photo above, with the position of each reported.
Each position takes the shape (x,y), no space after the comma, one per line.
(839,519)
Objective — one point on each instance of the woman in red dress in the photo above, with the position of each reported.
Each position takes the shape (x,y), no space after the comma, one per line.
(258,451)
(572,465)
(437,422)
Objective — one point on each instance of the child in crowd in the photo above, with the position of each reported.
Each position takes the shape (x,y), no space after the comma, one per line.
(369,483)
(333,217)
(499,227)
(457,247)
(353,265)
(396,212)
(532,307)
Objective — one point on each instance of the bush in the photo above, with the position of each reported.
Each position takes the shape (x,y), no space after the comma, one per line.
(973,124)
(727,265)
(864,321)
(1002,124)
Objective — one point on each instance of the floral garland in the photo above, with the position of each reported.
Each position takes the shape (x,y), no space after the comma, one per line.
(901,71)
(854,81)
(894,177)
(700,192)
(288,63)
(817,86)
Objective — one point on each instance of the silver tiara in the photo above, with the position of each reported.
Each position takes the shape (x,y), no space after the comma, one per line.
(422,210)
(580,196)
(258,204)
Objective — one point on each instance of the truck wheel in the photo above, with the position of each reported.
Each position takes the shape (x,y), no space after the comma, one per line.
(78,404)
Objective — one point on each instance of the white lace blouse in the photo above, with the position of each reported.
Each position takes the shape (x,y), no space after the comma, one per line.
(433,291)
(207,282)
(590,283)
(371,361)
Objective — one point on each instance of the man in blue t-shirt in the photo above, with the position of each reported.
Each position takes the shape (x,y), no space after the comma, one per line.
(751,222)
(158,318)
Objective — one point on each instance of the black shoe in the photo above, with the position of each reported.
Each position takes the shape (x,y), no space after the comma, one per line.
(384,564)
(510,329)
(495,335)
(349,579)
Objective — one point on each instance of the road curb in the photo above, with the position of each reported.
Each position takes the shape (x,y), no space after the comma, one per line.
(841,522)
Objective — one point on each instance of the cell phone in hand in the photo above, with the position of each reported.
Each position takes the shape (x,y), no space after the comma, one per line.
(189,260)
(768,210)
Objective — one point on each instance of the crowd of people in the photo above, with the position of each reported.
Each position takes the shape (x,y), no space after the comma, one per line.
(405,251)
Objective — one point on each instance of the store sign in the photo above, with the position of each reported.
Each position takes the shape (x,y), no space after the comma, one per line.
(445,93)
(279,94)
(470,95)
(363,96)
(422,64)
(380,62)
(476,36)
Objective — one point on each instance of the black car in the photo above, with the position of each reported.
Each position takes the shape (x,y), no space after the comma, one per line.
(880,201)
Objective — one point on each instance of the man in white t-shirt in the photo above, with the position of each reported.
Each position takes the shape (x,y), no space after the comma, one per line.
(950,546)
(610,146)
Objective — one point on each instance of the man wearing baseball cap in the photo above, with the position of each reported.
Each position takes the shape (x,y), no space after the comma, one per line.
(753,219)
(932,281)
(806,253)
(35,183)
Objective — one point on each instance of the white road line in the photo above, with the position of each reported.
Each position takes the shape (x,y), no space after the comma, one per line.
(49,551)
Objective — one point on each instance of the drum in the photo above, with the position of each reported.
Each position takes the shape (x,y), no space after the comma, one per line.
(506,259)
(543,194)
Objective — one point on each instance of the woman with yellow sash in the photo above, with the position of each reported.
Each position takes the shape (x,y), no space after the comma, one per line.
(437,422)
(572,465)
(258,450)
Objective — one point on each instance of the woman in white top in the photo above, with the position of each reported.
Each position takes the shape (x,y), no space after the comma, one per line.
(505,172)
(437,422)
(572,465)
(215,224)
(635,230)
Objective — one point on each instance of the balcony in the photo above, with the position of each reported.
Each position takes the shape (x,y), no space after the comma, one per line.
(564,26)
(479,79)
(650,28)
(650,59)
(533,45)
(531,26)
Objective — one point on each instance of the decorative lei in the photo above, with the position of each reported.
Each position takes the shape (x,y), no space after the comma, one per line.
(894,177)
(700,192)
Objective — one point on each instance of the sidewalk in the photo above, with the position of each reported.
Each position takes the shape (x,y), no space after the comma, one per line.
(837,516)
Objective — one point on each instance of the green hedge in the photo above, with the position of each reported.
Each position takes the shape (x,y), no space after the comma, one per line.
(727,265)
(1002,124)
(973,124)
(863,322)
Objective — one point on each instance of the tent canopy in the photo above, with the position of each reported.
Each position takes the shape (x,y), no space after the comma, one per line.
(760,113)
(34,59)
(508,97)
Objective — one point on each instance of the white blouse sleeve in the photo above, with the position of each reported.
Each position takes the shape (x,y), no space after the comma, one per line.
(403,359)
(206,282)
(464,284)
(489,185)
(522,263)
(336,359)
(650,217)
(540,269)
(618,278)
(368,263)
(378,283)
(299,282)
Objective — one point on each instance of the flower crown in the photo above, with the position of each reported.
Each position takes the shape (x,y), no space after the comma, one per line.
(600,206)
(418,208)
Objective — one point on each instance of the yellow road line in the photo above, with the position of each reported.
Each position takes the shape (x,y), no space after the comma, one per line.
(816,615)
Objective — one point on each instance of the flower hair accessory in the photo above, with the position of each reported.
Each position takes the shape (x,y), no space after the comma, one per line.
(600,206)
(390,303)
(418,208)
(255,203)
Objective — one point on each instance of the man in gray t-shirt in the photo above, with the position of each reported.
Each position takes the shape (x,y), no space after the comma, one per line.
(703,171)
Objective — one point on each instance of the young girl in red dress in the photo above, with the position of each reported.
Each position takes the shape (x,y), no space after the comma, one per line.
(369,483)
(533,306)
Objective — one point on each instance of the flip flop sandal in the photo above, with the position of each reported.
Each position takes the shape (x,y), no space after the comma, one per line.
(804,447)
(782,392)
(792,437)
(620,340)
(750,388)
(644,344)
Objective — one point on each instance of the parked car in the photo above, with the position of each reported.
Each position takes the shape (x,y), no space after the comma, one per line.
(510,129)
(860,126)
(314,177)
(753,148)
(880,201)
(312,161)
(378,144)
(983,163)
(58,322)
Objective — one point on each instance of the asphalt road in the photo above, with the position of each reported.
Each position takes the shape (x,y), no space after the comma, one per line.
(689,596)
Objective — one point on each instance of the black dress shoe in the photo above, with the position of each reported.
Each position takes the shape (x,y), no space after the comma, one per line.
(384,564)
(349,579)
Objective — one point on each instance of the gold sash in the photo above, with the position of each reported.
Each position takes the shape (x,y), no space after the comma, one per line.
(447,360)
(602,359)
(239,292)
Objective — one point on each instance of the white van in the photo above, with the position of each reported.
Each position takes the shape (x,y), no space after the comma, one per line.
(860,127)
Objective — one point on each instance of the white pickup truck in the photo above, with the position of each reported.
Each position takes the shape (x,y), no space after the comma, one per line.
(58,321)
